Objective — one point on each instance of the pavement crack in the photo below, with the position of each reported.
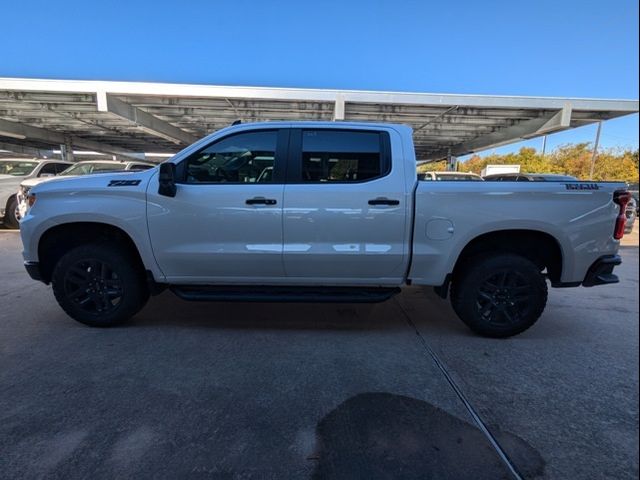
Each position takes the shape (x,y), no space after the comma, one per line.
(458,391)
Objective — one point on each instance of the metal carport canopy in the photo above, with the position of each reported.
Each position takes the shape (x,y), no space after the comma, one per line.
(126,119)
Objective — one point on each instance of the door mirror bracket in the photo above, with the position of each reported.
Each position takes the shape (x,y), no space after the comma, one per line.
(167,179)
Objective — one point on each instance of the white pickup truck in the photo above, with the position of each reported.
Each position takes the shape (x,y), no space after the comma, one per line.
(312,211)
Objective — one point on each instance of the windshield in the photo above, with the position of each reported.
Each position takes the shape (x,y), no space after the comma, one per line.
(16,168)
(88,168)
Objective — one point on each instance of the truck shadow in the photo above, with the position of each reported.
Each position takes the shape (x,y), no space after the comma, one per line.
(382,435)
(168,310)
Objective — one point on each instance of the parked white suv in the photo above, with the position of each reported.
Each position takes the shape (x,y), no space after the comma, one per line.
(73,170)
(15,170)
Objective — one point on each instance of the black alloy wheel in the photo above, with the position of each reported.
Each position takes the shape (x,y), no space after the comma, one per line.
(499,295)
(100,284)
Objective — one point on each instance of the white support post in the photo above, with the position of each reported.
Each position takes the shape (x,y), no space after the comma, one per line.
(338,108)
(452,162)
(595,151)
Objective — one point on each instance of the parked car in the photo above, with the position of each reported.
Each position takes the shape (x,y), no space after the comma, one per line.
(342,217)
(529,177)
(15,170)
(87,167)
(449,176)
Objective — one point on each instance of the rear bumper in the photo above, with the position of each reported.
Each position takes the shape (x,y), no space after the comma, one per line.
(33,269)
(601,272)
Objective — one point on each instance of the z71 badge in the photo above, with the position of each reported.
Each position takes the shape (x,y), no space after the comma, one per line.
(123,183)
(582,186)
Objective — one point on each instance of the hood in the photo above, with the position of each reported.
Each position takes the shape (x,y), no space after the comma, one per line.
(107,182)
(32,182)
(11,178)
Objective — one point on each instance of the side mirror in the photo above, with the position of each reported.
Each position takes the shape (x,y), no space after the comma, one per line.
(167,179)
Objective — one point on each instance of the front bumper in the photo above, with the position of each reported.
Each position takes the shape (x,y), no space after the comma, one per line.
(33,269)
(601,272)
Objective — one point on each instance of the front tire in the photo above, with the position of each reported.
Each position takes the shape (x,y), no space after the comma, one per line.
(10,219)
(99,285)
(499,295)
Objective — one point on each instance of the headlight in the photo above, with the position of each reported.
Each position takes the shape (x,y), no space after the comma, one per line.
(31,200)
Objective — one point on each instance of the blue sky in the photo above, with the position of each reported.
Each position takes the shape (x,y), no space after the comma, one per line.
(547,48)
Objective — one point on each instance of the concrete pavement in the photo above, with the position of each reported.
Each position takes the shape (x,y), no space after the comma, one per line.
(324,391)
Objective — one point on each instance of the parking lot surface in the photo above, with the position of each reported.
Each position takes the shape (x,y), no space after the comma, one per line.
(204,390)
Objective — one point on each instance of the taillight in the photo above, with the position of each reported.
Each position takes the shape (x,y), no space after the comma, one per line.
(621,197)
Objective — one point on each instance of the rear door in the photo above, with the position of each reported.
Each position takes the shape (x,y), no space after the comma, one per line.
(224,224)
(345,207)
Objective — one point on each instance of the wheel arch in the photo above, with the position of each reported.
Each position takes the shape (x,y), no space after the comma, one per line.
(59,239)
(7,204)
(540,247)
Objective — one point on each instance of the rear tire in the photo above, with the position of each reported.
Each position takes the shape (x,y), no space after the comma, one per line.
(10,219)
(99,285)
(499,295)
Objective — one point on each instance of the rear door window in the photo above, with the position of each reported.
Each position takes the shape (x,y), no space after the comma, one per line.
(341,156)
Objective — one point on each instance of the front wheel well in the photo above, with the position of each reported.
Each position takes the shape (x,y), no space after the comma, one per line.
(60,239)
(538,247)
(11,197)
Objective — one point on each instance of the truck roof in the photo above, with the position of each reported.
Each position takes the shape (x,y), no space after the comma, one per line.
(322,123)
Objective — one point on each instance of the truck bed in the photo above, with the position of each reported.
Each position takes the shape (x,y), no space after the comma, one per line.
(580,216)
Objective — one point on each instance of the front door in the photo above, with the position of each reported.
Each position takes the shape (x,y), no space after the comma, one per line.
(345,208)
(224,224)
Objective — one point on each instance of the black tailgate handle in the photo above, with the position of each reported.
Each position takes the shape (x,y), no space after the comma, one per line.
(384,201)
(260,201)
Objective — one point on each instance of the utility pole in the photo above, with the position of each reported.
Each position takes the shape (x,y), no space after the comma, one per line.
(595,150)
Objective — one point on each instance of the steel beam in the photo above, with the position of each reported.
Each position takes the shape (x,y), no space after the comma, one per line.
(536,127)
(24,150)
(19,130)
(146,121)
(560,121)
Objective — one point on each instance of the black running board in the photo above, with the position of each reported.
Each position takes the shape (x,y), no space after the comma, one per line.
(207,293)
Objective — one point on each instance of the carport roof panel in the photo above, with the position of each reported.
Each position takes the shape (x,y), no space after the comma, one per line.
(125,118)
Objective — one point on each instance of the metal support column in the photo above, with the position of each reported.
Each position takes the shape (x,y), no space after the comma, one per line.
(66,149)
(452,162)
(544,145)
(595,151)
